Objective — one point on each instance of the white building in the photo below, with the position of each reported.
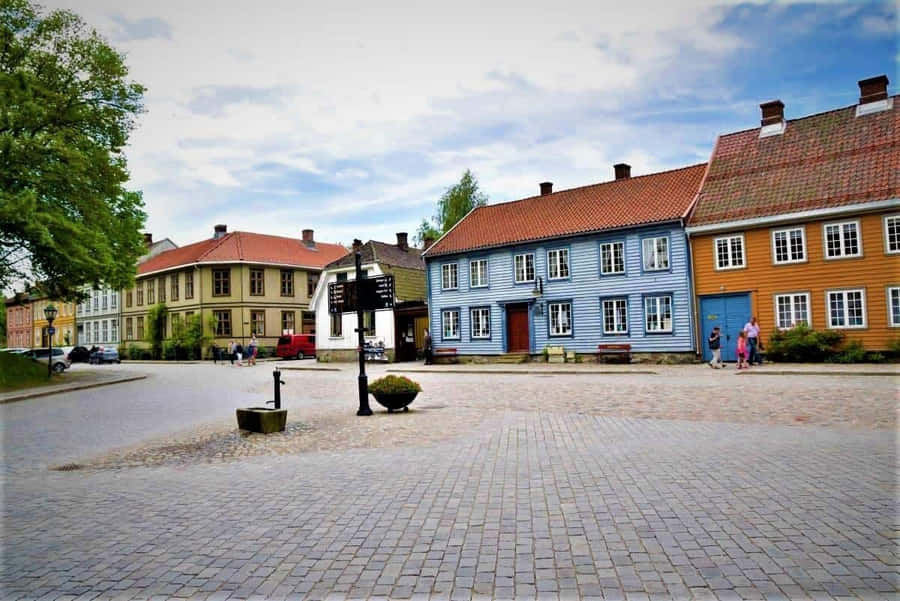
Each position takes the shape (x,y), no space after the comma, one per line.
(97,318)
(401,329)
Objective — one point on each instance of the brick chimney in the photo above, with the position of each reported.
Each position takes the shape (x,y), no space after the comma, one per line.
(772,112)
(308,238)
(873,89)
(623,170)
(428,241)
(402,242)
(148,239)
(219,230)
(546,188)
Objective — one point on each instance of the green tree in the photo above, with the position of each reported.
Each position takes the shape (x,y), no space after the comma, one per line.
(66,111)
(455,203)
(155,331)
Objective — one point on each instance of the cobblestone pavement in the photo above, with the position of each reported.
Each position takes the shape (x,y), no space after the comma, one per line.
(495,487)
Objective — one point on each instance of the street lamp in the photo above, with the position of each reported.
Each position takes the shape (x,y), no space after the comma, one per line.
(50,312)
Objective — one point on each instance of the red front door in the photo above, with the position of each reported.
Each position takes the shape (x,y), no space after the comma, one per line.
(517,329)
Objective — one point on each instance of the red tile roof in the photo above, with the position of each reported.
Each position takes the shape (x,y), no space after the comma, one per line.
(639,200)
(821,161)
(249,248)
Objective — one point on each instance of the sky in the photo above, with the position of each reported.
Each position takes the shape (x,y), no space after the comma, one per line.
(352,117)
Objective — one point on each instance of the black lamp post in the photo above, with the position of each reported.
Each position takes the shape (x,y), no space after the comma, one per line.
(50,312)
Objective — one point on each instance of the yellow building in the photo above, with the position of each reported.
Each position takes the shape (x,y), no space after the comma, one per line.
(64,324)
(247,283)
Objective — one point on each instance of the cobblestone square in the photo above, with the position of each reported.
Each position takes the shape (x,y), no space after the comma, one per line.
(603,483)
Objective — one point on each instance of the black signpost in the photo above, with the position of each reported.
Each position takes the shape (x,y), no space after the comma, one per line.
(360,295)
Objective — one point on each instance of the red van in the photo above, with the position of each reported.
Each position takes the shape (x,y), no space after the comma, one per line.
(296,345)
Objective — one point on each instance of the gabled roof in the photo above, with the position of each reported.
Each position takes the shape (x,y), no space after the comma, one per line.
(246,247)
(382,253)
(822,161)
(634,201)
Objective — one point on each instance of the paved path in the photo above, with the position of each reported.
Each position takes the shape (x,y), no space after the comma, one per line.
(504,488)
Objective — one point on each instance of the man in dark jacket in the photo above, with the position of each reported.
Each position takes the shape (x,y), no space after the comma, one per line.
(428,348)
(715,347)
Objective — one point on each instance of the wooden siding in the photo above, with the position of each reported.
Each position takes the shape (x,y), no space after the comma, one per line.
(584,288)
(763,279)
(409,284)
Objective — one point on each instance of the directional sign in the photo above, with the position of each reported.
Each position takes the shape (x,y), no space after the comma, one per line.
(377,293)
(369,294)
(51,331)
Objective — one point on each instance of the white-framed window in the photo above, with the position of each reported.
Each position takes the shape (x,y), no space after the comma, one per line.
(615,315)
(97,331)
(113,330)
(892,234)
(558,263)
(658,313)
(655,253)
(103,300)
(560,318)
(87,333)
(449,276)
(524,266)
(842,240)
(113,299)
(846,308)
(612,258)
(789,245)
(791,309)
(450,324)
(105,330)
(481,322)
(96,301)
(478,273)
(893,293)
(730,252)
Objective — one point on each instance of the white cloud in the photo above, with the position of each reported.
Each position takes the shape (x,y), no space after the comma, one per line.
(369,106)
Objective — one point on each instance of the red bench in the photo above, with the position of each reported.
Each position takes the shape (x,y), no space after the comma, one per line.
(617,350)
(444,353)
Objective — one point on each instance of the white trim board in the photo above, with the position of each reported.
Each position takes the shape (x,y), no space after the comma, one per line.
(811,215)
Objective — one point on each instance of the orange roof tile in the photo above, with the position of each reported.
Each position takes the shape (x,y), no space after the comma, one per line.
(821,161)
(639,200)
(249,248)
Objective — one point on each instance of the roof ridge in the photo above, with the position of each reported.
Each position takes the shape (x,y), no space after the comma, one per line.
(374,252)
(613,181)
(216,244)
(795,119)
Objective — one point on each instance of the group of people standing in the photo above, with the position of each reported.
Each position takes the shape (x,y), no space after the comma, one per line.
(748,346)
(236,351)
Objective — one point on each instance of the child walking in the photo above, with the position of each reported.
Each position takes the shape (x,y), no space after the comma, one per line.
(715,347)
(743,352)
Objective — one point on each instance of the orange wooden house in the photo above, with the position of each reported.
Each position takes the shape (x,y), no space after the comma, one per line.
(799,221)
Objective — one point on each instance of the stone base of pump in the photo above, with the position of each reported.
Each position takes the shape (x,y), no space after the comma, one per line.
(261,419)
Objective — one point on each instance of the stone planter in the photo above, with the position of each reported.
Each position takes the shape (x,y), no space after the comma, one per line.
(261,419)
(395,401)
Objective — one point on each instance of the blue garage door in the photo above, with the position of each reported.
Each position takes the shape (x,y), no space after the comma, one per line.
(728,311)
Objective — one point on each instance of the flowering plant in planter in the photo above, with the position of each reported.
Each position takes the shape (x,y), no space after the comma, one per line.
(394,385)
(394,392)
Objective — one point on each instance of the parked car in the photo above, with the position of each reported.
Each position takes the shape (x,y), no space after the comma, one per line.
(60,362)
(105,354)
(13,350)
(296,346)
(79,354)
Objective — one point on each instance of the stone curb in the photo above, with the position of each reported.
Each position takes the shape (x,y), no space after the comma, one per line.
(845,374)
(39,393)
(311,369)
(524,372)
(192,362)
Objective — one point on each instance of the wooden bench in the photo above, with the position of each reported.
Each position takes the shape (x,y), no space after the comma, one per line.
(444,353)
(617,350)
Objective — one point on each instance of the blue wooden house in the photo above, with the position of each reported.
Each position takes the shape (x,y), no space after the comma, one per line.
(602,264)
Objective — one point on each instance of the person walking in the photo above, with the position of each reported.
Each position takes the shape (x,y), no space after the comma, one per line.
(715,347)
(251,350)
(231,351)
(752,331)
(429,350)
(743,351)
(238,353)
